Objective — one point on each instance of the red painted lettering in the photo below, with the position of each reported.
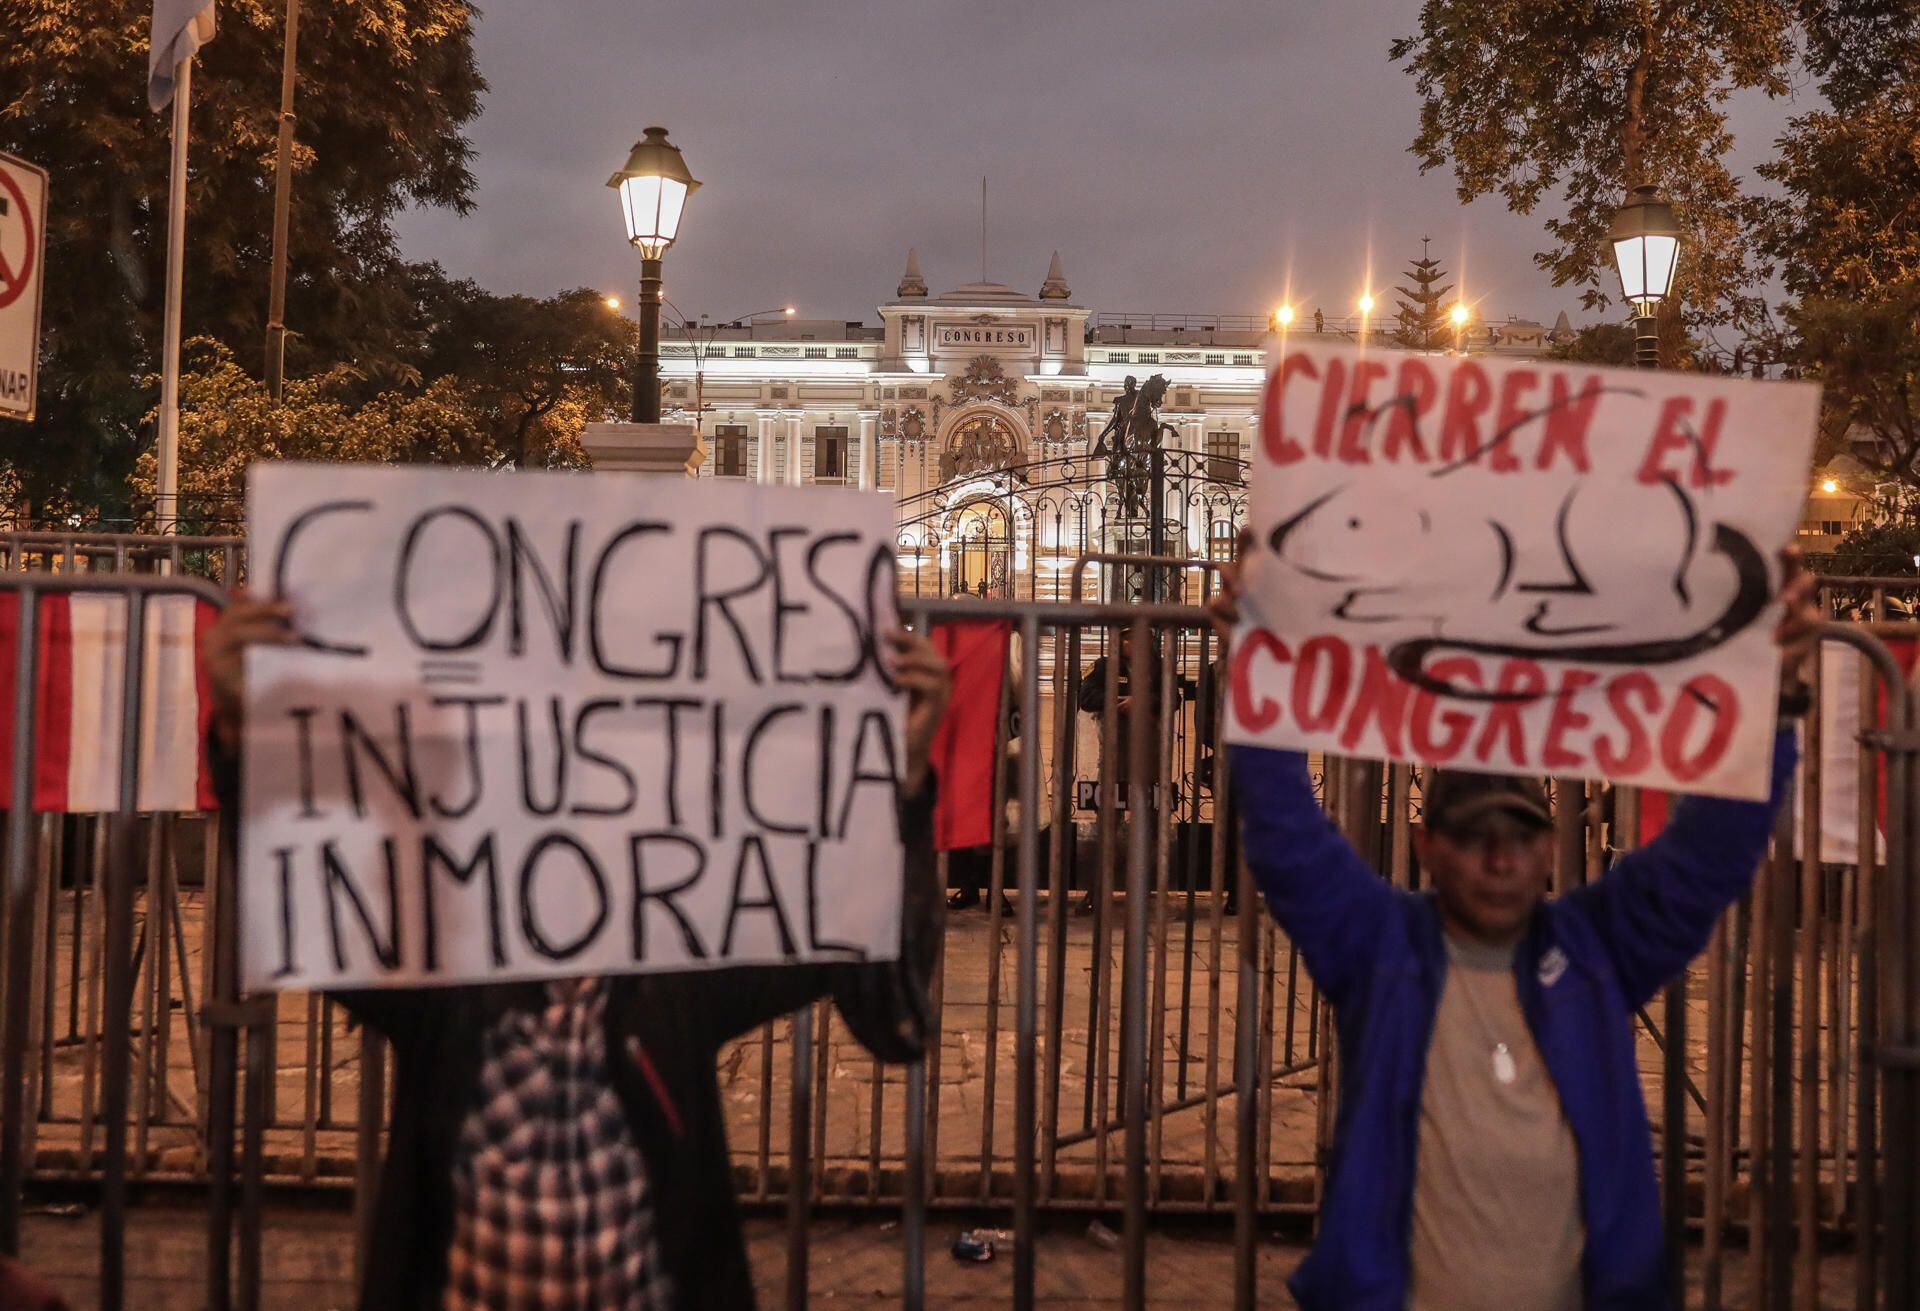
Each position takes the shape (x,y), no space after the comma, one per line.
(1382,698)
(1669,437)
(1455,671)
(1334,657)
(1556,754)
(1510,417)
(1257,714)
(1415,391)
(1701,692)
(1568,420)
(1327,420)
(1282,449)
(1503,717)
(1469,396)
(1353,433)
(1638,753)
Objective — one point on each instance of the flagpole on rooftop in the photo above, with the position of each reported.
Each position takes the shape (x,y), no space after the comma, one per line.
(167,506)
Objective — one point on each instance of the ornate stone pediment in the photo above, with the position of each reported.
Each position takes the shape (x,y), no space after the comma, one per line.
(984,380)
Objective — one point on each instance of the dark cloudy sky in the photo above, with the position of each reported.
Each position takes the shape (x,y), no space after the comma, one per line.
(1182,157)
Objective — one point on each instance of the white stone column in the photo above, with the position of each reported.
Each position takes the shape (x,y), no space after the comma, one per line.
(763,465)
(869,451)
(794,448)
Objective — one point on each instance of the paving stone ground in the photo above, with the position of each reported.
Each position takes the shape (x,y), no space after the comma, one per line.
(308,1264)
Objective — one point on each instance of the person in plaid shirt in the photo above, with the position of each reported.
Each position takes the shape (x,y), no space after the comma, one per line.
(561,1146)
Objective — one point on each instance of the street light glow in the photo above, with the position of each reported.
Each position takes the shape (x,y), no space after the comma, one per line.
(790,310)
(1829,486)
(1459,316)
(613,302)
(1366,302)
(1284,315)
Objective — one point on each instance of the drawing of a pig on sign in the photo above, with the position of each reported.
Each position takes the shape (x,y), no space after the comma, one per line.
(1519,566)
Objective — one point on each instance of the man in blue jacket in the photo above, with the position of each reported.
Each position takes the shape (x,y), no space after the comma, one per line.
(1492,1148)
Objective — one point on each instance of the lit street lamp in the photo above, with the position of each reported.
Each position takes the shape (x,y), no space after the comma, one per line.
(1459,317)
(653,188)
(1646,249)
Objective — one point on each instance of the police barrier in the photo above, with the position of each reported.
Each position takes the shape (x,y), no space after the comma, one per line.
(1157,1053)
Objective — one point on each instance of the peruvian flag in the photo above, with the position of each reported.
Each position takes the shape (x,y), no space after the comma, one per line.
(80,672)
(963,751)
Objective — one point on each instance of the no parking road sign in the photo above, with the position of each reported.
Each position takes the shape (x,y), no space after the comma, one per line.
(23,230)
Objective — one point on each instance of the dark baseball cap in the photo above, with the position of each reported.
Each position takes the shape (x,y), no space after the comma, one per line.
(1454,799)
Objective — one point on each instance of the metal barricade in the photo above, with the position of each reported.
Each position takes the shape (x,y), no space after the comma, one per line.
(1127,1033)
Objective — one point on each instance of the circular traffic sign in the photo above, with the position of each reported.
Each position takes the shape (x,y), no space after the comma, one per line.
(14,280)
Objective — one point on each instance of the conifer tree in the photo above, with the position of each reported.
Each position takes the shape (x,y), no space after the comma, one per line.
(1423,312)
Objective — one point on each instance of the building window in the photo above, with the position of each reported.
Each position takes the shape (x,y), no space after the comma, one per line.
(1223,457)
(1216,359)
(829,454)
(743,352)
(730,450)
(816,352)
(1243,359)
(1149,357)
(846,353)
(1223,540)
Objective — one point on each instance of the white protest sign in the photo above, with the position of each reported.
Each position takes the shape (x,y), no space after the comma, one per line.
(1519,566)
(564,724)
(23,247)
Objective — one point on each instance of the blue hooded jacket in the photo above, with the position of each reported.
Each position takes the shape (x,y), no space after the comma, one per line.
(1588,960)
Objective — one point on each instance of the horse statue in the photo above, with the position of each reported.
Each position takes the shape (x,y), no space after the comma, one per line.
(1138,433)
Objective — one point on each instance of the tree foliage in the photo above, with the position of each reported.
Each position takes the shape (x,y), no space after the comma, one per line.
(1887,549)
(1423,312)
(386,89)
(1569,99)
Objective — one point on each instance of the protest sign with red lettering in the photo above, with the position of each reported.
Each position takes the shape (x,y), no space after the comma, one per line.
(1519,566)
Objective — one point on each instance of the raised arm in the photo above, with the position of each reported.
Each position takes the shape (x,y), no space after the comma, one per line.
(1329,901)
(1655,909)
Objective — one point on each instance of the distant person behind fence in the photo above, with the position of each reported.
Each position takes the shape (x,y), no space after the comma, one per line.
(561,1146)
(1492,1148)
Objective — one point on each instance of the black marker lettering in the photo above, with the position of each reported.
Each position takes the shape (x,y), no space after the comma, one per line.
(612,765)
(705,598)
(753,849)
(888,776)
(748,751)
(339,881)
(781,607)
(524,737)
(596,603)
(530,922)
(431,854)
(283,858)
(665,896)
(558,600)
(863,647)
(302,717)
(470,738)
(814,939)
(401,778)
(280,566)
(403,582)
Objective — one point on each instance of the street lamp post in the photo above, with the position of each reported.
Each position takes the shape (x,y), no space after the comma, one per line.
(1646,250)
(653,188)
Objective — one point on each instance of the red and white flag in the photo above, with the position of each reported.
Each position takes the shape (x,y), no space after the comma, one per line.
(81,640)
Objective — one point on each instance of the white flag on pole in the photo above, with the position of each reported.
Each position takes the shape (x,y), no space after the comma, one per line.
(180,27)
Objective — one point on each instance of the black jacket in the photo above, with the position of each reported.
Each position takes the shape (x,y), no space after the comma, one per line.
(663,1034)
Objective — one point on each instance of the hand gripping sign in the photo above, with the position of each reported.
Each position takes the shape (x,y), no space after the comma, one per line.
(1519,566)
(559,724)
